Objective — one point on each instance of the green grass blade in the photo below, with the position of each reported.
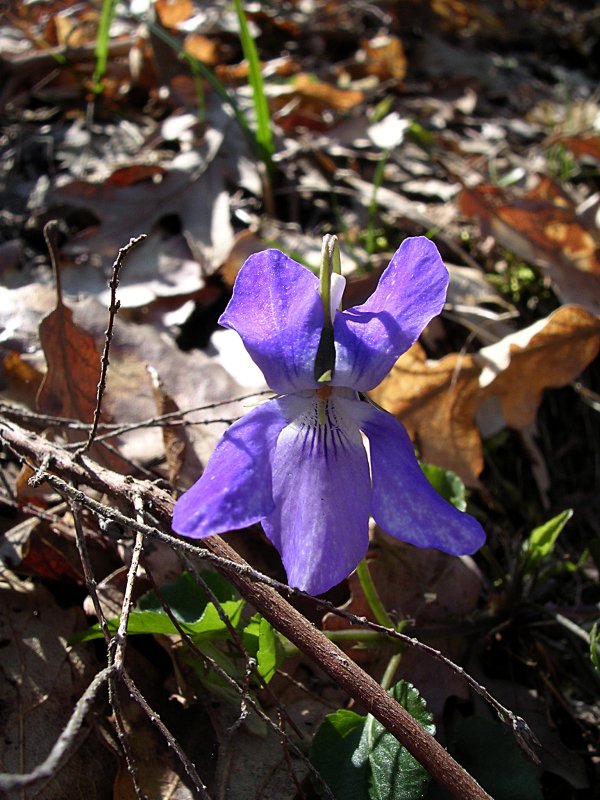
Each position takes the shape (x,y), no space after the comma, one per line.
(106,17)
(264,134)
(198,68)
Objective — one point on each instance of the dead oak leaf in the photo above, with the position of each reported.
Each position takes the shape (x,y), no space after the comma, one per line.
(436,401)
(548,354)
(306,101)
(69,386)
(542,227)
(447,405)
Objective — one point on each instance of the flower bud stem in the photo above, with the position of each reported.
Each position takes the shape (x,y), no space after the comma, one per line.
(330,262)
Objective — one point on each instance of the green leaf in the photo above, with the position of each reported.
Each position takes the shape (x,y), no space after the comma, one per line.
(263,643)
(186,599)
(447,484)
(332,755)
(189,605)
(360,760)
(489,752)
(395,773)
(542,540)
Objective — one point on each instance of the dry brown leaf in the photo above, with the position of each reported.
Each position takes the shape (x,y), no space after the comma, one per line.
(436,401)
(305,100)
(22,378)
(384,57)
(172,12)
(76,30)
(282,67)
(548,354)
(542,227)
(447,405)
(583,146)
(182,461)
(69,386)
(205,49)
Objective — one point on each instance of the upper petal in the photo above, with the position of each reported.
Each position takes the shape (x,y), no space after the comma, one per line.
(322,489)
(404,503)
(370,337)
(277,310)
(235,489)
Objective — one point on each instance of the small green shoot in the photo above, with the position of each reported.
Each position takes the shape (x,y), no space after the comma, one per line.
(264,134)
(371,237)
(541,542)
(102,42)
(447,484)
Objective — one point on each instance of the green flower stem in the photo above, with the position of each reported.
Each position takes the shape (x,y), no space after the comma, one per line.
(365,637)
(388,676)
(325,358)
(372,596)
(328,258)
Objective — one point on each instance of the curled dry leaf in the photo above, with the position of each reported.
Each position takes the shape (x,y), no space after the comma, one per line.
(69,386)
(182,461)
(304,101)
(543,227)
(582,146)
(385,57)
(447,405)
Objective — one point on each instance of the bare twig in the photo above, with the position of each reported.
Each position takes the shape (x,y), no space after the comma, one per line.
(64,742)
(108,334)
(50,232)
(113,687)
(170,739)
(246,696)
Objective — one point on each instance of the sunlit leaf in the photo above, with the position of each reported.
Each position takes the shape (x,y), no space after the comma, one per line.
(360,760)
(542,539)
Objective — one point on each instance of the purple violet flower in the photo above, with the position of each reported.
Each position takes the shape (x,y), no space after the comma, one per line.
(297,463)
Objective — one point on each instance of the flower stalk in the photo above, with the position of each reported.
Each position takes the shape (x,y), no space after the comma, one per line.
(325,358)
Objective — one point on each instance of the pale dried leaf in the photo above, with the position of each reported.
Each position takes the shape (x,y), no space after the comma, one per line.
(442,402)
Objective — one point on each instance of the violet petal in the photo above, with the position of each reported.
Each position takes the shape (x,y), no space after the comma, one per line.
(235,489)
(404,503)
(370,337)
(321,486)
(277,310)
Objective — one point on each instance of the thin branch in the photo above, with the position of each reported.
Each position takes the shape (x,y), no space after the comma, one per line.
(108,334)
(17,413)
(113,688)
(50,236)
(172,742)
(120,639)
(63,744)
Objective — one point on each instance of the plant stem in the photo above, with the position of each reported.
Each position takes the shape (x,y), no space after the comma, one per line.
(372,596)
(390,671)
